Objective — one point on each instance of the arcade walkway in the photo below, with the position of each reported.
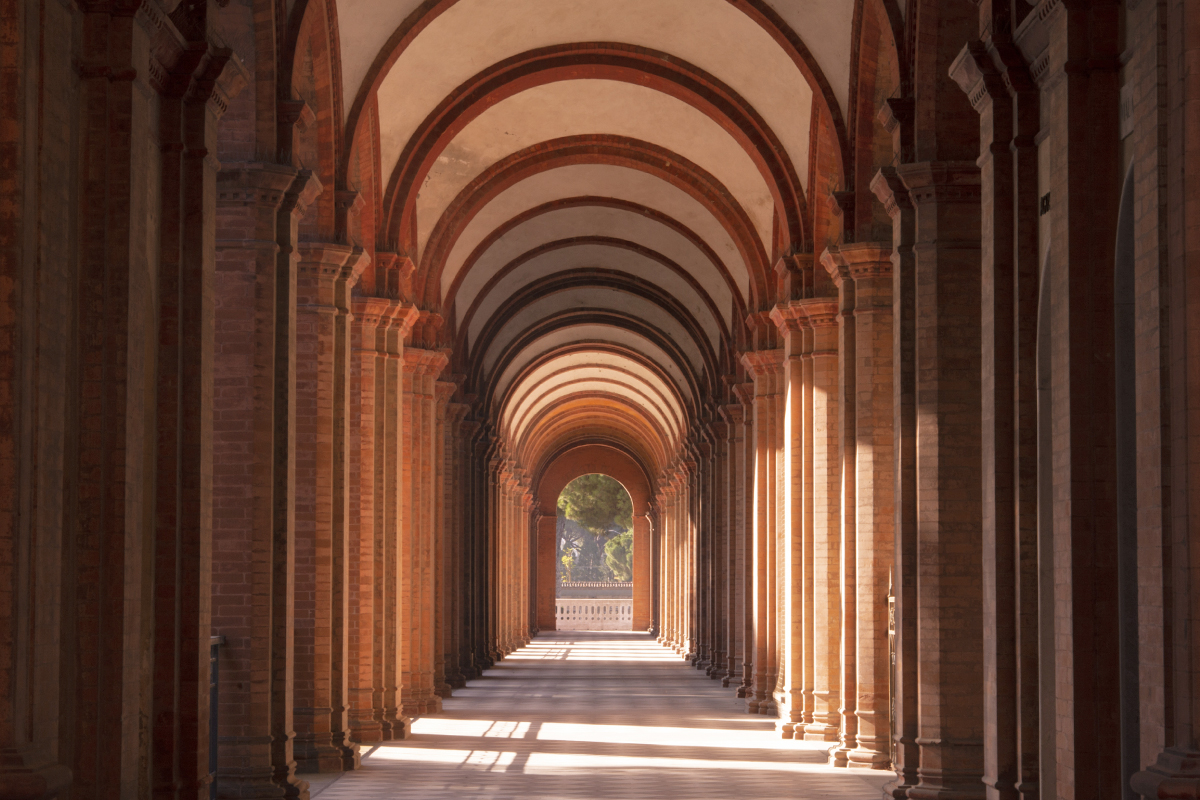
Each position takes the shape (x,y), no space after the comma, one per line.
(596,715)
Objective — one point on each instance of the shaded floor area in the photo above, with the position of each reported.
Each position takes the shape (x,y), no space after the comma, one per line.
(596,715)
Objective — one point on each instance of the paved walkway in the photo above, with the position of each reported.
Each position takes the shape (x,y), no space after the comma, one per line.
(596,715)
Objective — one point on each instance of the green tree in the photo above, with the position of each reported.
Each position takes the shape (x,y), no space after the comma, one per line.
(598,503)
(618,555)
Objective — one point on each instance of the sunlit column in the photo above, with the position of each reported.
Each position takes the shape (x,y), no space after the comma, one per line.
(321,509)
(765,366)
(733,566)
(826,472)
(718,560)
(393,408)
(793,324)
(366,625)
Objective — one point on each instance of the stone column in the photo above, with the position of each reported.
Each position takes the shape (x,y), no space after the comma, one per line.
(766,368)
(259,206)
(325,277)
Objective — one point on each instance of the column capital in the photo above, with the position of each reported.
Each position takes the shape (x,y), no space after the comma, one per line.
(745,395)
(941,181)
(444,390)
(858,260)
(789,318)
(891,191)
(822,312)
(763,364)
(734,412)
(371,310)
(425,363)
(394,274)
(251,183)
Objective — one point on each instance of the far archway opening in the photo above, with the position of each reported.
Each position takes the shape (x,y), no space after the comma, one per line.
(594,555)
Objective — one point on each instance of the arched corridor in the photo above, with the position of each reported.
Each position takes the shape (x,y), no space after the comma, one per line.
(884,313)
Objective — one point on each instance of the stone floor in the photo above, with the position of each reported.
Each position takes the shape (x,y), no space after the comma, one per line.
(596,715)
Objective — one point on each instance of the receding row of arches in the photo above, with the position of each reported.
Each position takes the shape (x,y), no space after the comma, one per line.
(314,307)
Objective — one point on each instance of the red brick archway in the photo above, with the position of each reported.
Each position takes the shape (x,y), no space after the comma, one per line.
(566,467)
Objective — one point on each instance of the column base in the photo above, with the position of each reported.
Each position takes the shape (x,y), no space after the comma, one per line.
(1176,774)
(316,753)
(397,726)
(820,732)
(444,690)
(22,782)
(260,783)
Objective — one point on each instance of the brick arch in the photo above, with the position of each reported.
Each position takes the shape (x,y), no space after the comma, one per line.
(561,244)
(608,61)
(310,68)
(757,10)
(593,149)
(602,202)
(561,468)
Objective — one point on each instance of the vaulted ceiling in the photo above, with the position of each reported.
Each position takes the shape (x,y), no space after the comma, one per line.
(594,193)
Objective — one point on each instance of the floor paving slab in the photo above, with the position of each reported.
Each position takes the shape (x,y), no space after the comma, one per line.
(597,715)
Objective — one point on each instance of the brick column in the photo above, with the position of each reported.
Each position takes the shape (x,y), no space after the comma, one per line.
(443,522)
(948,464)
(734,566)
(863,270)
(547,538)
(896,115)
(254,479)
(766,367)
(643,576)
(793,327)
(366,682)
(746,501)
(826,518)
(454,574)
(417,630)
(325,276)
(1002,91)
(718,557)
